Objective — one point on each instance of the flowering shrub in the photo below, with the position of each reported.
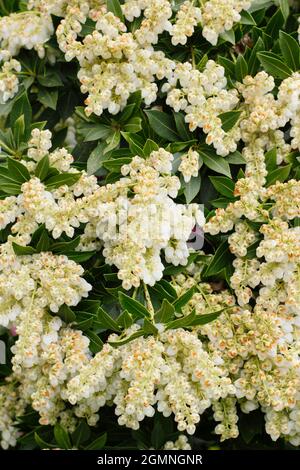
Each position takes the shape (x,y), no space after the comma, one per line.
(128,130)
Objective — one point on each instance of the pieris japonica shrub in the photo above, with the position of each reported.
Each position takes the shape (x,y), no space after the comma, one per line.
(150,224)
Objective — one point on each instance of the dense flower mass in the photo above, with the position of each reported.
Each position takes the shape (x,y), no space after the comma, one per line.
(149,224)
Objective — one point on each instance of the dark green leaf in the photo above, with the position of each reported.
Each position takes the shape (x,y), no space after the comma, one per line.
(17,171)
(183,299)
(181,127)
(215,162)
(223,185)
(247,18)
(115,7)
(62,437)
(163,124)
(128,339)
(64,178)
(149,147)
(241,68)
(107,321)
(273,65)
(290,50)
(135,308)
(98,443)
(23,250)
(43,243)
(96,344)
(125,320)
(42,168)
(165,313)
(280,174)
(96,159)
(221,258)
(96,132)
(66,314)
(229,119)
(81,434)
(191,189)
(48,98)
(149,328)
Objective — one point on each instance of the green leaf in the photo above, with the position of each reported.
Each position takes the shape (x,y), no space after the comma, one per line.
(215,162)
(220,260)
(107,321)
(96,344)
(241,68)
(125,320)
(253,62)
(23,250)
(62,437)
(259,4)
(165,290)
(95,132)
(80,257)
(149,328)
(229,119)
(235,158)
(115,7)
(42,168)
(149,147)
(66,314)
(43,243)
(41,443)
(165,313)
(48,98)
(81,434)
(271,160)
(223,185)
(202,63)
(275,24)
(228,66)
(50,79)
(228,36)
(182,322)
(98,443)
(285,8)
(115,165)
(65,247)
(21,107)
(135,308)
(206,318)
(113,141)
(273,65)
(251,425)
(192,188)
(133,125)
(126,113)
(280,174)
(181,127)
(128,339)
(64,178)
(183,299)
(247,18)
(136,143)
(96,159)
(17,171)
(290,50)
(19,129)
(163,124)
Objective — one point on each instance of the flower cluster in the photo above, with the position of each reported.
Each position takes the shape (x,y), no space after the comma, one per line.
(203,97)
(28,29)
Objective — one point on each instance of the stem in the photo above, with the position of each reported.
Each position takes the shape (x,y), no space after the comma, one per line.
(135,292)
(148,301)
